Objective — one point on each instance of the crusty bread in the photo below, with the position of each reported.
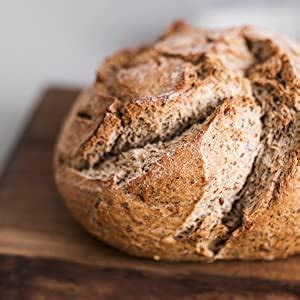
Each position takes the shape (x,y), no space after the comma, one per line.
(188,149)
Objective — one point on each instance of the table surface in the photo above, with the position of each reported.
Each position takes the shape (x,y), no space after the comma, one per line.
(44,254)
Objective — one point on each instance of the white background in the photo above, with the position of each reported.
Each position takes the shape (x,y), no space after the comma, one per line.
(62,42)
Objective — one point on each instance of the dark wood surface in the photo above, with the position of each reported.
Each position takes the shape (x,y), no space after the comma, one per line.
(44,254)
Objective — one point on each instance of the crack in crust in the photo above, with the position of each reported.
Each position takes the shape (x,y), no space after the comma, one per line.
(188,144)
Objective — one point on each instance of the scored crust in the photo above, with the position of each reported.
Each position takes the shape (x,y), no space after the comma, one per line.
(186,149)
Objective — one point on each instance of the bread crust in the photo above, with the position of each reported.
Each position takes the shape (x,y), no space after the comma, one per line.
(275,232)
(143,215)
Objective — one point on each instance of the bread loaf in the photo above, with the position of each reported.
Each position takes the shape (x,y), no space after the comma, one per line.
(188,149)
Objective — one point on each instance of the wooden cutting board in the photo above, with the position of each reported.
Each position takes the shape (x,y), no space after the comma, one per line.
(44,254)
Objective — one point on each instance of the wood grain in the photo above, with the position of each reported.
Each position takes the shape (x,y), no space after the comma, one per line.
(44,254)
(34,278)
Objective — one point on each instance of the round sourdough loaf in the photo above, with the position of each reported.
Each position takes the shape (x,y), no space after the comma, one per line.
(188,149)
